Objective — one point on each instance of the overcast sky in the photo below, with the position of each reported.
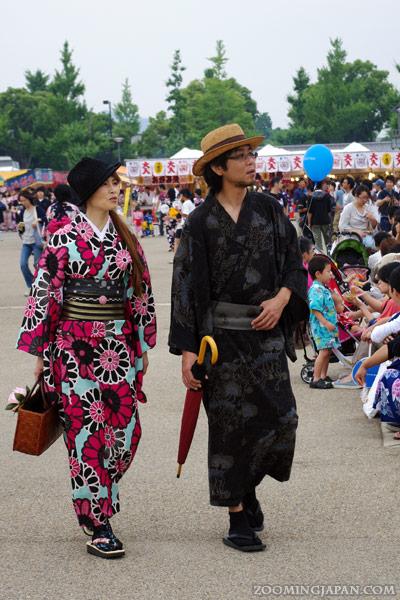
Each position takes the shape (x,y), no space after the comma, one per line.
(266,42)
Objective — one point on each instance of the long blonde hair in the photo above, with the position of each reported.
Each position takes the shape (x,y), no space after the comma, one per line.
(130,241)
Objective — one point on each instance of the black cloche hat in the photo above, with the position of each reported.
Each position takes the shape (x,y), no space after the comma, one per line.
(88,175)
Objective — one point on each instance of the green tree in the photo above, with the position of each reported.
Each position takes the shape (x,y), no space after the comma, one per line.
(36,81)
(301,83)
(65,82)
(176,102)
(218,62)
(349,101)
(210,103)
(154,141)
(127,123)
(263,124)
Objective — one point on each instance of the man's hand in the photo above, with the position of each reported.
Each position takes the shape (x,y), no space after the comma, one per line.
(188,360)
(38,367)
(271,311)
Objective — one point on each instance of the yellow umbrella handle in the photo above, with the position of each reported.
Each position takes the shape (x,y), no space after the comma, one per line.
(207,339)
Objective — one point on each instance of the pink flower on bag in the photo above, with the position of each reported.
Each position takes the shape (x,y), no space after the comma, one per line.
(12,399)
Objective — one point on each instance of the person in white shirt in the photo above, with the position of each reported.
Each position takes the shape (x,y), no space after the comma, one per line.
(361,216)
(376,256)
(348,184)
(187,204)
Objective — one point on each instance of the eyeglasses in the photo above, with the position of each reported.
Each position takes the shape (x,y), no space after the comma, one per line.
(243,156)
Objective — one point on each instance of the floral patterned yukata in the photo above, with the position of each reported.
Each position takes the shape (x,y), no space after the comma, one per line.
(93,369)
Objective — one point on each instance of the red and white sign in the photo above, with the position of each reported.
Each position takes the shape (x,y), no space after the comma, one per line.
(133,168)
(171,168)
(271,165)
(145,168)
(183,168)
(337,161)
(260,165)
(297,163)
(348,161)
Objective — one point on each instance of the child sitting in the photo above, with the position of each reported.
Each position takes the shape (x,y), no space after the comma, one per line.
(323,320)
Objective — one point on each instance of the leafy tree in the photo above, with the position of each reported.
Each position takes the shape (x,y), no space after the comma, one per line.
(154,141)
(36,81)
(176,102)
(65,82)
(301,82)
(349,101)
(127,120)
(218,61)
(263,124)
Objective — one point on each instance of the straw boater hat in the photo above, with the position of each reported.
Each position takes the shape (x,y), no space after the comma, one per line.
(221,140)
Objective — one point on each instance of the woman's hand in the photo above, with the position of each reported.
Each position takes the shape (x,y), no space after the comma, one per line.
(145,362)
(38,367)
(188,360)
(361,375)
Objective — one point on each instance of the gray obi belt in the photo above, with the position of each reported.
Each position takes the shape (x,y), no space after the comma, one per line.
(93,300)
(234,316)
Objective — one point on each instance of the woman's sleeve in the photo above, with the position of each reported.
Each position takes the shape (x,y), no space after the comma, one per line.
(381,332)
(44,303)
(143,308)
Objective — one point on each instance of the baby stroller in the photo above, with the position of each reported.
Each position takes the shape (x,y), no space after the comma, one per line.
(348,249)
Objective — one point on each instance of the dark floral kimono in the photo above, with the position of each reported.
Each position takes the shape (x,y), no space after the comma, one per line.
(248,398)
(92,369)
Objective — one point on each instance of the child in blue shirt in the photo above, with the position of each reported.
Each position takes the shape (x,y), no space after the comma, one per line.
(323,320)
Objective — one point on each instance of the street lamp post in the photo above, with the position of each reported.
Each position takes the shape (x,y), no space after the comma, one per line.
(110,113)
(118,141)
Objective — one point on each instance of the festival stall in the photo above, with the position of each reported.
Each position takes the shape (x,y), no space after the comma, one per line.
(353,158)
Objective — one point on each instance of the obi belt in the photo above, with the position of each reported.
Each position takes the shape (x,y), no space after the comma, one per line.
(93,300)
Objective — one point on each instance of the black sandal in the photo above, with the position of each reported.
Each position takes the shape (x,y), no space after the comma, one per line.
(105,544)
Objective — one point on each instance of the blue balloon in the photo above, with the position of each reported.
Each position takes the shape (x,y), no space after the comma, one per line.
(318,162)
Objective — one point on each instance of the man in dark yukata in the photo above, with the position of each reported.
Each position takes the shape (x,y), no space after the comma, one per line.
(238,276)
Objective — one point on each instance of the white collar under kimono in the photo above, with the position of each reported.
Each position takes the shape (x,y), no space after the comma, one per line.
(101,233)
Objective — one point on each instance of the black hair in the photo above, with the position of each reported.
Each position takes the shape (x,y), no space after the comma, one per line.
(392,210)
(317,264)
(310,187)
(385,272)
(350,181)
(394,281)
(186,193)
(380,236)
(213,180)
(28,196)
(275,180)
(162,186)
(171,194)
(198,191)
(305,244)
(390,178)
(362,188)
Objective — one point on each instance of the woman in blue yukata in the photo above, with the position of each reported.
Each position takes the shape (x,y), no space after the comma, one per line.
(90,320)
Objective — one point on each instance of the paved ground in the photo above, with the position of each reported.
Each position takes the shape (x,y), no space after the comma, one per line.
(336,521)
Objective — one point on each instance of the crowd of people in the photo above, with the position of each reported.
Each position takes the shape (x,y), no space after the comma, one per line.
(369,209)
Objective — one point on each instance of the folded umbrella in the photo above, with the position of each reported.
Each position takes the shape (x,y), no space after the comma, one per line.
(193,401)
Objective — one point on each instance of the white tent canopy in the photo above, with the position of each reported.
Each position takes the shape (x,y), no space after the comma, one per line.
(269,150)
(189,153)
(355,147)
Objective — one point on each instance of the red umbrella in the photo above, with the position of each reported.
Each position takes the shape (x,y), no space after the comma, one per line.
(193,401)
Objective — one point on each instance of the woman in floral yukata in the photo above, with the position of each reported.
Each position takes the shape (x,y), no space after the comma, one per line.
(90,320)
